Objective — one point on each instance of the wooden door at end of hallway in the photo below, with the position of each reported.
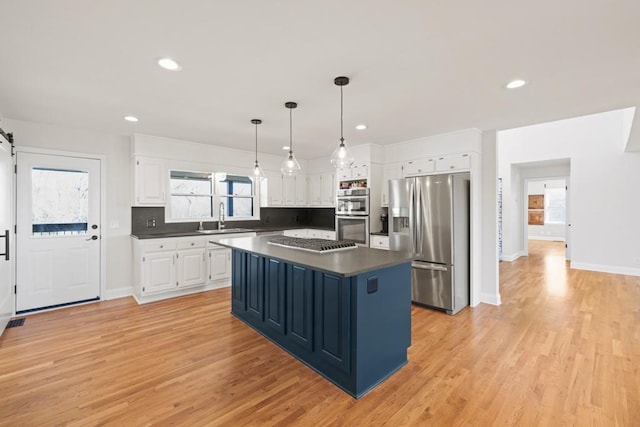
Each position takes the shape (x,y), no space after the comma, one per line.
(58,230)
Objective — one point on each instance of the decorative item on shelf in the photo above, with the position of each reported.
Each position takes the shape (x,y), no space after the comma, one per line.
(258,173)
(341,157)
(290,165)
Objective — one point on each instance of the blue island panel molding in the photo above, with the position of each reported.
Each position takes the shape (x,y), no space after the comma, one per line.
(354,331)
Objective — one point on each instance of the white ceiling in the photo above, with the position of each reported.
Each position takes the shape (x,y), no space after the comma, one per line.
(417,68)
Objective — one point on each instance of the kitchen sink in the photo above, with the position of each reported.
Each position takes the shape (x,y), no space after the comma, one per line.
(225,231)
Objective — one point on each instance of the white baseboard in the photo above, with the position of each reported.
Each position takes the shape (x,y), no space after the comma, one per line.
(548,238)
(606,268)
(490,298)
(181,292)
(512,257)
(118,293)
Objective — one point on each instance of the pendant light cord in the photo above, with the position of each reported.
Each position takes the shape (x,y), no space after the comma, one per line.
(341,114)
(290,131)
(256,143)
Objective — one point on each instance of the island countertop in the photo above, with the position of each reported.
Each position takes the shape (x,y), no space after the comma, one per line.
(346,263)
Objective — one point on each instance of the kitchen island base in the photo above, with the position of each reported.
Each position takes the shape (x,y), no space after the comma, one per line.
(353,330)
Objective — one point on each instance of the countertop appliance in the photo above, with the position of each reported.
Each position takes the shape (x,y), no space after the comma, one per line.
(352,215)
(384,219)
(429,215)
(312,245)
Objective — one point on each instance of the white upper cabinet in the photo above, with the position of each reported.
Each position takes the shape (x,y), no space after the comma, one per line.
(327,189)
(359,170)
(288,190)
(313,189)
(273,184)
(453,163)
(300,197)
(150,181)
(419,167)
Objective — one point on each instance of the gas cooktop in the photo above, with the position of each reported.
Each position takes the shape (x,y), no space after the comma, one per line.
(321,246)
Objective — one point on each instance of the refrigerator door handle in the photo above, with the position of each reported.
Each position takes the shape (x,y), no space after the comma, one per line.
(428,266)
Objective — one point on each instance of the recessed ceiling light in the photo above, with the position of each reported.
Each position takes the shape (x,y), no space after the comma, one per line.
(285,147)
(361,126)
(514,84)
(132,119)
(169,64)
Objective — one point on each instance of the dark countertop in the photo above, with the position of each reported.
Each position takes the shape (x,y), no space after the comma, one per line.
(379,233)
(196,233)
(345,263)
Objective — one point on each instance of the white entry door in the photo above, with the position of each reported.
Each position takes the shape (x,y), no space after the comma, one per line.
(58,239)
(6,233)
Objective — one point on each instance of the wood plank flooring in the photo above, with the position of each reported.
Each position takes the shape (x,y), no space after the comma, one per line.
(563,349)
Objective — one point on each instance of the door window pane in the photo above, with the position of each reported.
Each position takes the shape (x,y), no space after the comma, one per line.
(60,201)
(555,205)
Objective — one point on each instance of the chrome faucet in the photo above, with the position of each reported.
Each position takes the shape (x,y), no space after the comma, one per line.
(200,227)
(221,216)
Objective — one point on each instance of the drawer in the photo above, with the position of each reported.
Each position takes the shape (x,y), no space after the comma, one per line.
(379,242)
(192,244)
(159,245)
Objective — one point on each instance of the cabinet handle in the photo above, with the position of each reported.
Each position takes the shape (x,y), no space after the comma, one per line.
(161,246)
(192,243)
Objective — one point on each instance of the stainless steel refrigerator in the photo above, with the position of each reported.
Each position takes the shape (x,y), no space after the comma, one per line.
(429,215)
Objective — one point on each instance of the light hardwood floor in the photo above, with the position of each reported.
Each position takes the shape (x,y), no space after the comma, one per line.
(563,349)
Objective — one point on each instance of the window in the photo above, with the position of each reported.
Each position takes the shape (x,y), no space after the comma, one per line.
(201,196)
(555,205)
(236,194)
(60,200)
(191,195)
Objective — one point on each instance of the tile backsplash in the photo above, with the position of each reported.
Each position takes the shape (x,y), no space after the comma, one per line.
(151,220)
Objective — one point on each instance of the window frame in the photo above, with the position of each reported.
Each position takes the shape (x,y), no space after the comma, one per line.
(216,197)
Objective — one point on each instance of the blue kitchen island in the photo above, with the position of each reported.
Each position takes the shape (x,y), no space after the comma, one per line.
(346,314)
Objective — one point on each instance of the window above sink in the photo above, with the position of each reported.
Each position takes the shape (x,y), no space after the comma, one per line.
(207,196)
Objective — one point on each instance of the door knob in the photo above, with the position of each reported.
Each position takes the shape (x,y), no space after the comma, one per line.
(92,238)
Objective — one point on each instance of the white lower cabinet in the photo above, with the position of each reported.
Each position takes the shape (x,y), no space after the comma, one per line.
(219,264)
(379,242)
(170,267)
(158,272)
(191,267)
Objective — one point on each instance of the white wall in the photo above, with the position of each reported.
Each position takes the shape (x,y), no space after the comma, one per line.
(487,265)
(118,222)
(603,183)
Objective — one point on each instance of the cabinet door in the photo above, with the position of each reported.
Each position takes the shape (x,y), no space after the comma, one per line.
(191,267)
(158,272)
(288,190)
(300,306)
(274,294)
(419,167)
(313,190)
(255,286)
(301,190)
(359,171)
(219,264)
(454,162)
(327,189)
(238,282)
(274,190)
(344,173)
(332,319)
(150,176)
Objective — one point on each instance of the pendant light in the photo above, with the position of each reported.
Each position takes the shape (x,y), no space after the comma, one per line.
(258,173)
(290,165)
(341,157)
